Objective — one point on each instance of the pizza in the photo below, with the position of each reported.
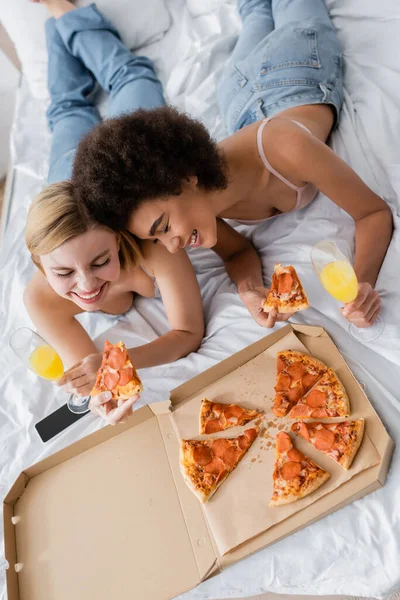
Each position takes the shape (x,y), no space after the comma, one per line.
(295,474)
(286,293)
(326,399)
(340,441)
(205,464)
(297,373)
(215,416)
(117,373)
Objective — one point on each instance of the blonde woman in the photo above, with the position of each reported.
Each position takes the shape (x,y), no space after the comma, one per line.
(86,267)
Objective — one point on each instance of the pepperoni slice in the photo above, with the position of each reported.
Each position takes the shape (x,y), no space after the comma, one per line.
(217,408)
(283,442)
(110,380)
(125,375)
(285,283)
(296,370)
(221,475)
(324,439)
(274,284)
(295,455)
(279,398)
(290,470)
(202,455)
(215,467)
(316,399)
(302,429)
(213,426)
(251,434)
(319,413)
(116,358)
(233,411)
(281,365)
(283,382)
(220,446)
(308,380)
(295,393)
(300,410)
(231,457)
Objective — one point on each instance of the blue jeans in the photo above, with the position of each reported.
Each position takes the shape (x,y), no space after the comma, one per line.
(287,55)
(84,48)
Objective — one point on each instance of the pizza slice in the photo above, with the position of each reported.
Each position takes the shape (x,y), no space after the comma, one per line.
(297,373)
(215,416)
(295,474)
(205,464)
(117,373)
(340,441)
(286,293)
(327,399)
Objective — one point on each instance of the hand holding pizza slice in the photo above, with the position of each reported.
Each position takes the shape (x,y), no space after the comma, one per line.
(286,294)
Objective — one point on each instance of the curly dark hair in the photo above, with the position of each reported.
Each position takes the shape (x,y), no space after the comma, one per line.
(141,156)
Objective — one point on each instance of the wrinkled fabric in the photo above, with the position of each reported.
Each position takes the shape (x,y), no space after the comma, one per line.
(356,550)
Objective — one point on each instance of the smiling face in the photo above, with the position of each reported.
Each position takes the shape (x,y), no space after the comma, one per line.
(177,221)
(83,268)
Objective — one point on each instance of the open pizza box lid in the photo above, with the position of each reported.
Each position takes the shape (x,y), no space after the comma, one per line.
(111,516)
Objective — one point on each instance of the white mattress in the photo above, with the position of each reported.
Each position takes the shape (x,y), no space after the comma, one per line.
(353,551)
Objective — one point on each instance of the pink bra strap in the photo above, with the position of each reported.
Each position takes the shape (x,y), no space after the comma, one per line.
(264,158)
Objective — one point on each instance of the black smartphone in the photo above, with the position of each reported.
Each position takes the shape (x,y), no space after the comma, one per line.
(56,422)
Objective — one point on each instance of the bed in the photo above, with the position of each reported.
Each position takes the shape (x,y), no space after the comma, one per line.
(355,551)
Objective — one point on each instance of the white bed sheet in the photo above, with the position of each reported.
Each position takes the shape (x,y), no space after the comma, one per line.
(353,551)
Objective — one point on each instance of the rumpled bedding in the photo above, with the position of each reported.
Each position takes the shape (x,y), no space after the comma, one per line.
(355,551)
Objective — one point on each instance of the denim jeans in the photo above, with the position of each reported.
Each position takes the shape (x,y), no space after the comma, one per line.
(287,55)
(83,48)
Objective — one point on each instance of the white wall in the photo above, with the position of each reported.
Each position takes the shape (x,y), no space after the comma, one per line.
(8,84)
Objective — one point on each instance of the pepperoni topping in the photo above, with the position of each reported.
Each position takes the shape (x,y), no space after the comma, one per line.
(279,398)
(231,457)
(319,413)
(290,470)
(247,438)
(281,365)
(316,399)
(233,411)
(300,410)
(283,442)
(295,455)
(221,475)
(213,426)
(116,358)
(107,346)
(217,408)
(202,455)
(110,380)
(125,375)
(296,370)
(274,284)
(285,283)
(295,393)
(215,467)
(302,429)
(308,380)
(220,446)
(324,439)
(283,382)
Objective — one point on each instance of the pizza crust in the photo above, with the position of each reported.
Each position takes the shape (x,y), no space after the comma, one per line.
(347,459)
(321,477)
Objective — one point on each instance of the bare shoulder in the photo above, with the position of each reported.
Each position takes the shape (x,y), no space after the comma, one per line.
(39,296)
(157,259)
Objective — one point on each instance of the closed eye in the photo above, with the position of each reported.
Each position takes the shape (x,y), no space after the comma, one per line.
(103,264)
(64,274)
(164,230)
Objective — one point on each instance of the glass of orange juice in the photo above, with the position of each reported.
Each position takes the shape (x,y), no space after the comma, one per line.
(43,360)
(337,276)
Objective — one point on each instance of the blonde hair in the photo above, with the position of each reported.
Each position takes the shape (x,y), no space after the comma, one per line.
(56,216)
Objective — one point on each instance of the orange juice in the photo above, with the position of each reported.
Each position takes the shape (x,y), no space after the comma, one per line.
(46,363)
(340,281)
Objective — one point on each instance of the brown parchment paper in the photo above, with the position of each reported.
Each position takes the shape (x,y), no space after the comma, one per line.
(239,509)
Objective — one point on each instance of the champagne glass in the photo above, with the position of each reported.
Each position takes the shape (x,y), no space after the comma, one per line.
(337,276)
(43,360)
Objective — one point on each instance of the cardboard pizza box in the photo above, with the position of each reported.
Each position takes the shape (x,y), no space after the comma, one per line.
(111,516)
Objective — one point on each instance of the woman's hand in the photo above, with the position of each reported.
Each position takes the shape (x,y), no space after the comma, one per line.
(364,310)
(111,411)
(254,301)
(81,378)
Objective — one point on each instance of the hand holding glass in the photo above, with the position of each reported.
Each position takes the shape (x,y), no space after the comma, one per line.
(337,276)
(43,360)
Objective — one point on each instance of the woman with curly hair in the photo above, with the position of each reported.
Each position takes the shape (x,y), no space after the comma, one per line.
(159,173)
(83,265)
